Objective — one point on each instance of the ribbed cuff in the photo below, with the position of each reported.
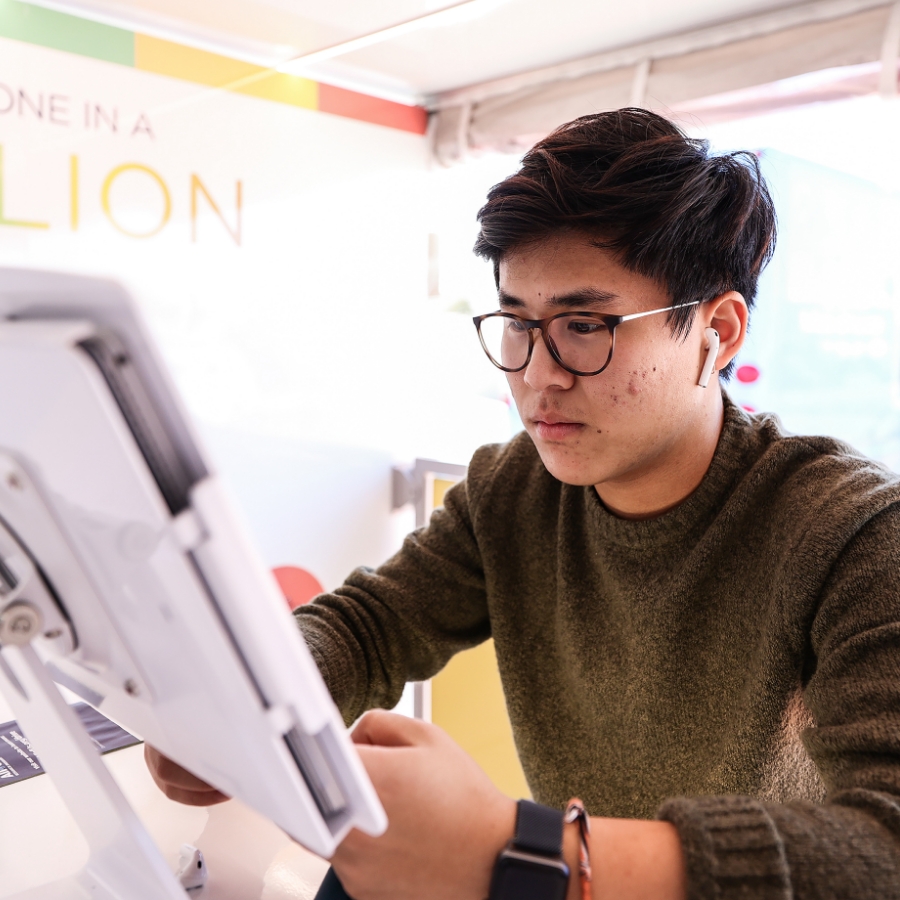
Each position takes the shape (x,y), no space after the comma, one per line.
(340,681)
(732,849)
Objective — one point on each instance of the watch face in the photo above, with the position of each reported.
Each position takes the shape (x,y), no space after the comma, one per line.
(519,879)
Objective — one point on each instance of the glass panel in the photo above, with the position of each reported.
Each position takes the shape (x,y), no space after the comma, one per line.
(582,342)
(506,341)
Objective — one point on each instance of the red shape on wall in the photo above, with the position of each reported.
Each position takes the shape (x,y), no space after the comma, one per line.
(341,102)
(747,374)
(298,585)
(748,408)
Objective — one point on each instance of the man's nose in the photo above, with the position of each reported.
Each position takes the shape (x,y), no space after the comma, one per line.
(543,371)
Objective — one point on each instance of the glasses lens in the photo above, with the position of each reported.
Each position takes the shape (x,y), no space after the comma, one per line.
(582,342)
(505,340)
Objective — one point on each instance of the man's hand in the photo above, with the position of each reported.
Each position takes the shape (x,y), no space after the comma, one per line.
(446,820)
(177,783)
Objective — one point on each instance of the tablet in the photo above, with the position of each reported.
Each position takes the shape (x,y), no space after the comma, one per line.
(126,572)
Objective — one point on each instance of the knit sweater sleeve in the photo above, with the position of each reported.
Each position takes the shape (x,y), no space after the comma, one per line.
(848,846)
(403,621)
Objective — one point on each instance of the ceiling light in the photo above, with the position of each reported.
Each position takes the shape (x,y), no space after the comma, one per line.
(299,64)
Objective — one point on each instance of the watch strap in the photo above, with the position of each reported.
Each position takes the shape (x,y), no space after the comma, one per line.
(539,829)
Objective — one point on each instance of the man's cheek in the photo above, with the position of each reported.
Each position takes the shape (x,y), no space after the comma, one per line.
(517,390)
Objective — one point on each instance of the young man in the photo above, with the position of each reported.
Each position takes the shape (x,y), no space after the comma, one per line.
(696,615)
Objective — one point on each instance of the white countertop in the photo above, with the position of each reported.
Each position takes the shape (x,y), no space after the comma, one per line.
(247,856)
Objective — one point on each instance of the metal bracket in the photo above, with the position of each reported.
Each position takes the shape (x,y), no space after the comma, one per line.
(411,485)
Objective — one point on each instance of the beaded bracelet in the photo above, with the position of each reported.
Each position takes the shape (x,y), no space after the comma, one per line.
(575,812)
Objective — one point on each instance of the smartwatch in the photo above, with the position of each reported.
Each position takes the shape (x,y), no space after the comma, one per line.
(531,867)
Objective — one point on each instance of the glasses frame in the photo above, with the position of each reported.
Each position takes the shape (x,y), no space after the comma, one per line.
(612,322)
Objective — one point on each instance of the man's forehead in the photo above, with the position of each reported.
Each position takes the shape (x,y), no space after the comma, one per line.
(570,269)
(559,256)
(561,270)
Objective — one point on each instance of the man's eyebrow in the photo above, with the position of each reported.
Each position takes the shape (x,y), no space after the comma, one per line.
(508,301)
(578,299)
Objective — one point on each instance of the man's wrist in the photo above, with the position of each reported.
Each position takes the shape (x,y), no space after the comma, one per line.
(630,858)
(570,855)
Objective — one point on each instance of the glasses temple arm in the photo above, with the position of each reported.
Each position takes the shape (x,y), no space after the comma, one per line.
(651,312)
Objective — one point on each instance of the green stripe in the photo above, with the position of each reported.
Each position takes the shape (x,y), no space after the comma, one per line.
(48,28)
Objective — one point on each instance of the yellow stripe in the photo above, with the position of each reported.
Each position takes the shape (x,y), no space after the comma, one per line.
(198,66)
(73,192)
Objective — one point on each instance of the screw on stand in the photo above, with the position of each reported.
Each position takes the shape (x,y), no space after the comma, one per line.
(20,622)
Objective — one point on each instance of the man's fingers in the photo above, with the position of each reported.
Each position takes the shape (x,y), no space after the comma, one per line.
(164,769)
(177,783)
(387,729)
(195,798)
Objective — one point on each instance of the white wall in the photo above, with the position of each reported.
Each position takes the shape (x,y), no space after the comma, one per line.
(309,353)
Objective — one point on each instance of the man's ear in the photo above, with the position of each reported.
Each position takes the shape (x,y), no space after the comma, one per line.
(728,314)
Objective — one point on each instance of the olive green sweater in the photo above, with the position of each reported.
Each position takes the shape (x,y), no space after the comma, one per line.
(732,666)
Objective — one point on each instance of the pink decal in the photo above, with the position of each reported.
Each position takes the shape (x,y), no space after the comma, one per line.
(298,585)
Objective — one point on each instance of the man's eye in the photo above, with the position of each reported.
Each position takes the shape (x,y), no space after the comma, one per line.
(515,325)
(586,326)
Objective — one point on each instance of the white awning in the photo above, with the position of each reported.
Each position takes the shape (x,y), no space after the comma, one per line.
(741,68)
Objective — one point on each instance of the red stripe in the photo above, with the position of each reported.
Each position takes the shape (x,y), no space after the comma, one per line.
(341,102)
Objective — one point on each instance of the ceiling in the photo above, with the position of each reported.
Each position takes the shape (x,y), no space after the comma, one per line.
(488,39)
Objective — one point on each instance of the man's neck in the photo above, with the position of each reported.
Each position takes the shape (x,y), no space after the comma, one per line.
(665,485)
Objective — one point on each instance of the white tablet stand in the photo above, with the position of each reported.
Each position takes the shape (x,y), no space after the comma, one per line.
(124,862)
(125,576)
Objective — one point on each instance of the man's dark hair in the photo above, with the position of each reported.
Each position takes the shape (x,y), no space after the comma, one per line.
(635,184)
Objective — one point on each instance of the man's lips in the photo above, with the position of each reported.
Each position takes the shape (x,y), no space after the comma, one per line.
(554,429)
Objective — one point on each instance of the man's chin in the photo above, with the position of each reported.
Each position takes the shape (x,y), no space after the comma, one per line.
(568,470)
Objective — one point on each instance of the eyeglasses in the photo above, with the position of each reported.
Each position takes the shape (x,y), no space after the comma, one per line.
(581,342)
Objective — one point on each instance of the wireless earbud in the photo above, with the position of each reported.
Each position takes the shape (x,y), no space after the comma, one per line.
(192,871)
(712,348)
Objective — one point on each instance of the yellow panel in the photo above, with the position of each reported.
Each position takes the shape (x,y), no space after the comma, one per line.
(441,486)
(467,702)
(198,66)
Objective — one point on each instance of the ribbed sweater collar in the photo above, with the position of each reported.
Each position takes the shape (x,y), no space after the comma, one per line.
(734,454)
